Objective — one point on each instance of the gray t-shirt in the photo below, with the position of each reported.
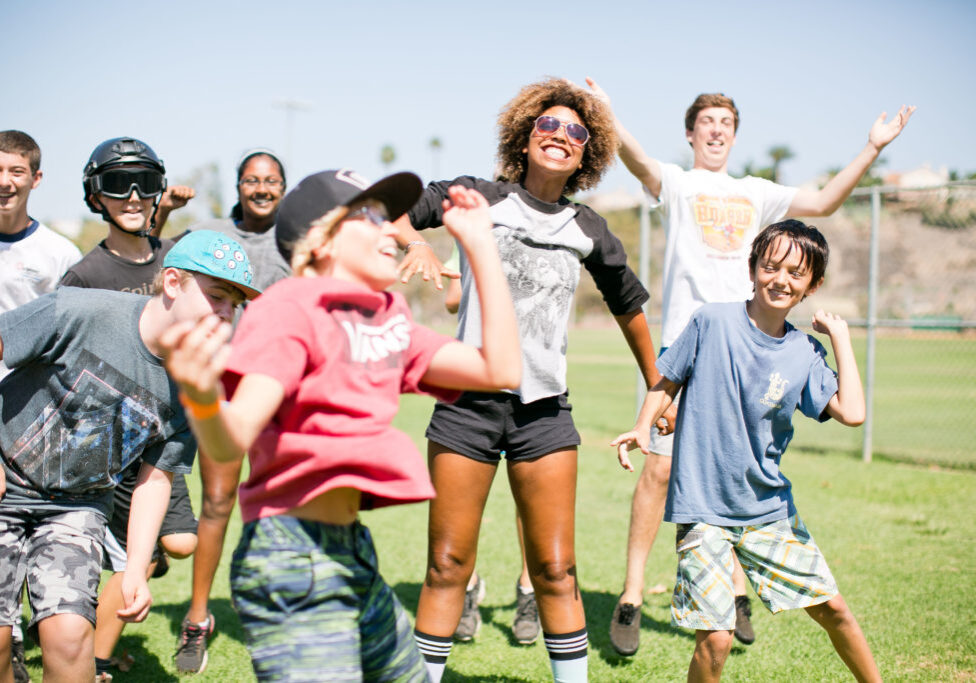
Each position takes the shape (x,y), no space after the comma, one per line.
(86,399)
(735,418)
(268,263)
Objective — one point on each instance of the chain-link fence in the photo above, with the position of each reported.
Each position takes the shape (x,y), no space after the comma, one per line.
(902,272)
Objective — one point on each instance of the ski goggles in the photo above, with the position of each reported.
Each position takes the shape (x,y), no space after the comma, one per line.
(548,125)
(118,182)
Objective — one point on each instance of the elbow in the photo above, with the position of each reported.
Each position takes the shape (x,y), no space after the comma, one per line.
(509,378)
(853,418)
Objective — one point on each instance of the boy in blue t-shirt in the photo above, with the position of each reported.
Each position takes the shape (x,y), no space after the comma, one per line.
(745,371)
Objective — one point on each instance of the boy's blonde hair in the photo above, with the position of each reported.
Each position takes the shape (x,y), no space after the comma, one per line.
(321,231)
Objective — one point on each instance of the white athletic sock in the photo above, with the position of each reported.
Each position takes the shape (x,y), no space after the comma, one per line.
(523,590)
(567,656)
(435,650)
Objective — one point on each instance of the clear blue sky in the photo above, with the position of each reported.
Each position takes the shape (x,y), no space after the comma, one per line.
(199,80)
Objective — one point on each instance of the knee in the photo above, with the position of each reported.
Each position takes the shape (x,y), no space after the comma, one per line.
(447,568)
(833,614)
(218,502)
(68,641)
(713,648)
(179,546)
(655,473)
(556,576)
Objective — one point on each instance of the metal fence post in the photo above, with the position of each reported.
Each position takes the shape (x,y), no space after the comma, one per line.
(872,321)
(644,273)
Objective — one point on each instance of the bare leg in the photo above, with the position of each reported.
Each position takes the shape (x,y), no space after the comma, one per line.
(846,635)
(524,581)
(220,482)
(67,648)
(545,493)
(738,577)
(646,512)
(711,650)
(454,521)
(6,663)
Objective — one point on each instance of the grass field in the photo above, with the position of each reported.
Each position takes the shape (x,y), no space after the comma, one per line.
(900,539)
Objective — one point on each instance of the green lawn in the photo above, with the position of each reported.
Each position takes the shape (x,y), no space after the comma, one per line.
(900,539)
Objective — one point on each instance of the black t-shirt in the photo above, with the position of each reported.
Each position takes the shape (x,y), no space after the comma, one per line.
(101,269)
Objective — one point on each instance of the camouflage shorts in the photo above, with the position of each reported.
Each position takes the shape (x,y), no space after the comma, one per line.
(780,559)
(58,552)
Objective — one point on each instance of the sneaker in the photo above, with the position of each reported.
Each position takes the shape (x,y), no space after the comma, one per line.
(743,627)
(470,622)
(526,625)
(19,662)
(625,628)
(191,652)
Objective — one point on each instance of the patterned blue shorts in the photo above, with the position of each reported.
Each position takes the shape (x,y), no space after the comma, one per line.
(315,608)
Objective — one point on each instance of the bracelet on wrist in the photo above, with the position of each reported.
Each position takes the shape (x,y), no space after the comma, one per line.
(200,411)
(416,243)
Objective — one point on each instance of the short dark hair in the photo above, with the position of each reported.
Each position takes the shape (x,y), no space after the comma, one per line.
(19,142)
(810,241)
(706,100)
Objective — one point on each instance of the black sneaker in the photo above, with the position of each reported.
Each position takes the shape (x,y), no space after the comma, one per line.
(625,628)
(19,662)
(191,651)
(526,625)
(470,622)
(743,627)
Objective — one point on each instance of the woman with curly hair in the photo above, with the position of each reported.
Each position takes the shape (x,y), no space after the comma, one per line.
(554,139)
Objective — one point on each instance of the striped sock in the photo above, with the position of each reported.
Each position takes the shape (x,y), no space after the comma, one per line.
(567,656)
(435,650)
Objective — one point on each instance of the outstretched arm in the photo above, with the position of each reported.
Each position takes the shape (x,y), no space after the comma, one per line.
(638,336)
(498,363)
(847,405)
(196,355)
(658,399)
(643,167)
(825,201)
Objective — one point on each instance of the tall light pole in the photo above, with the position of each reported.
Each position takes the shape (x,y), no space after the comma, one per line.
(290,105)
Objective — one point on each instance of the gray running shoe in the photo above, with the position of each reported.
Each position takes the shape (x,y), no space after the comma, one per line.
(191,651)
(625,628)
(470,622)
(526,625)
(19,661)
(743,627)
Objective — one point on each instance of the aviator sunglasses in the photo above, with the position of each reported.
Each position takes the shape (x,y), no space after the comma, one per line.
(375,216)
(118,182)
(548,125)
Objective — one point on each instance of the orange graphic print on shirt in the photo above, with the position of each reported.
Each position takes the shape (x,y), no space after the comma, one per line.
(723,220)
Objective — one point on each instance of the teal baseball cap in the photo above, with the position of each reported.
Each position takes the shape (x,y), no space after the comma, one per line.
(214,254)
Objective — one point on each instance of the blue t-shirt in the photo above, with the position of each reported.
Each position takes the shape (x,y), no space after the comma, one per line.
(741,388)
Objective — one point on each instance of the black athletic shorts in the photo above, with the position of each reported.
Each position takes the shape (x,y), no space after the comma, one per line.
(482,426)
(179,517)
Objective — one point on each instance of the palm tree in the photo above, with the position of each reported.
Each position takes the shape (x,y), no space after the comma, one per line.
(779,154)
(387,156)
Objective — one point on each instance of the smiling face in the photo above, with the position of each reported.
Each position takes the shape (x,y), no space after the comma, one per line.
(260,189)
(16,183)
(712,138)
(554,154)
(361,251)
(782,277)
(132,214)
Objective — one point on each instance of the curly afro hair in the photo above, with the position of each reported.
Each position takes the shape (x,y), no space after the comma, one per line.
(516,120)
